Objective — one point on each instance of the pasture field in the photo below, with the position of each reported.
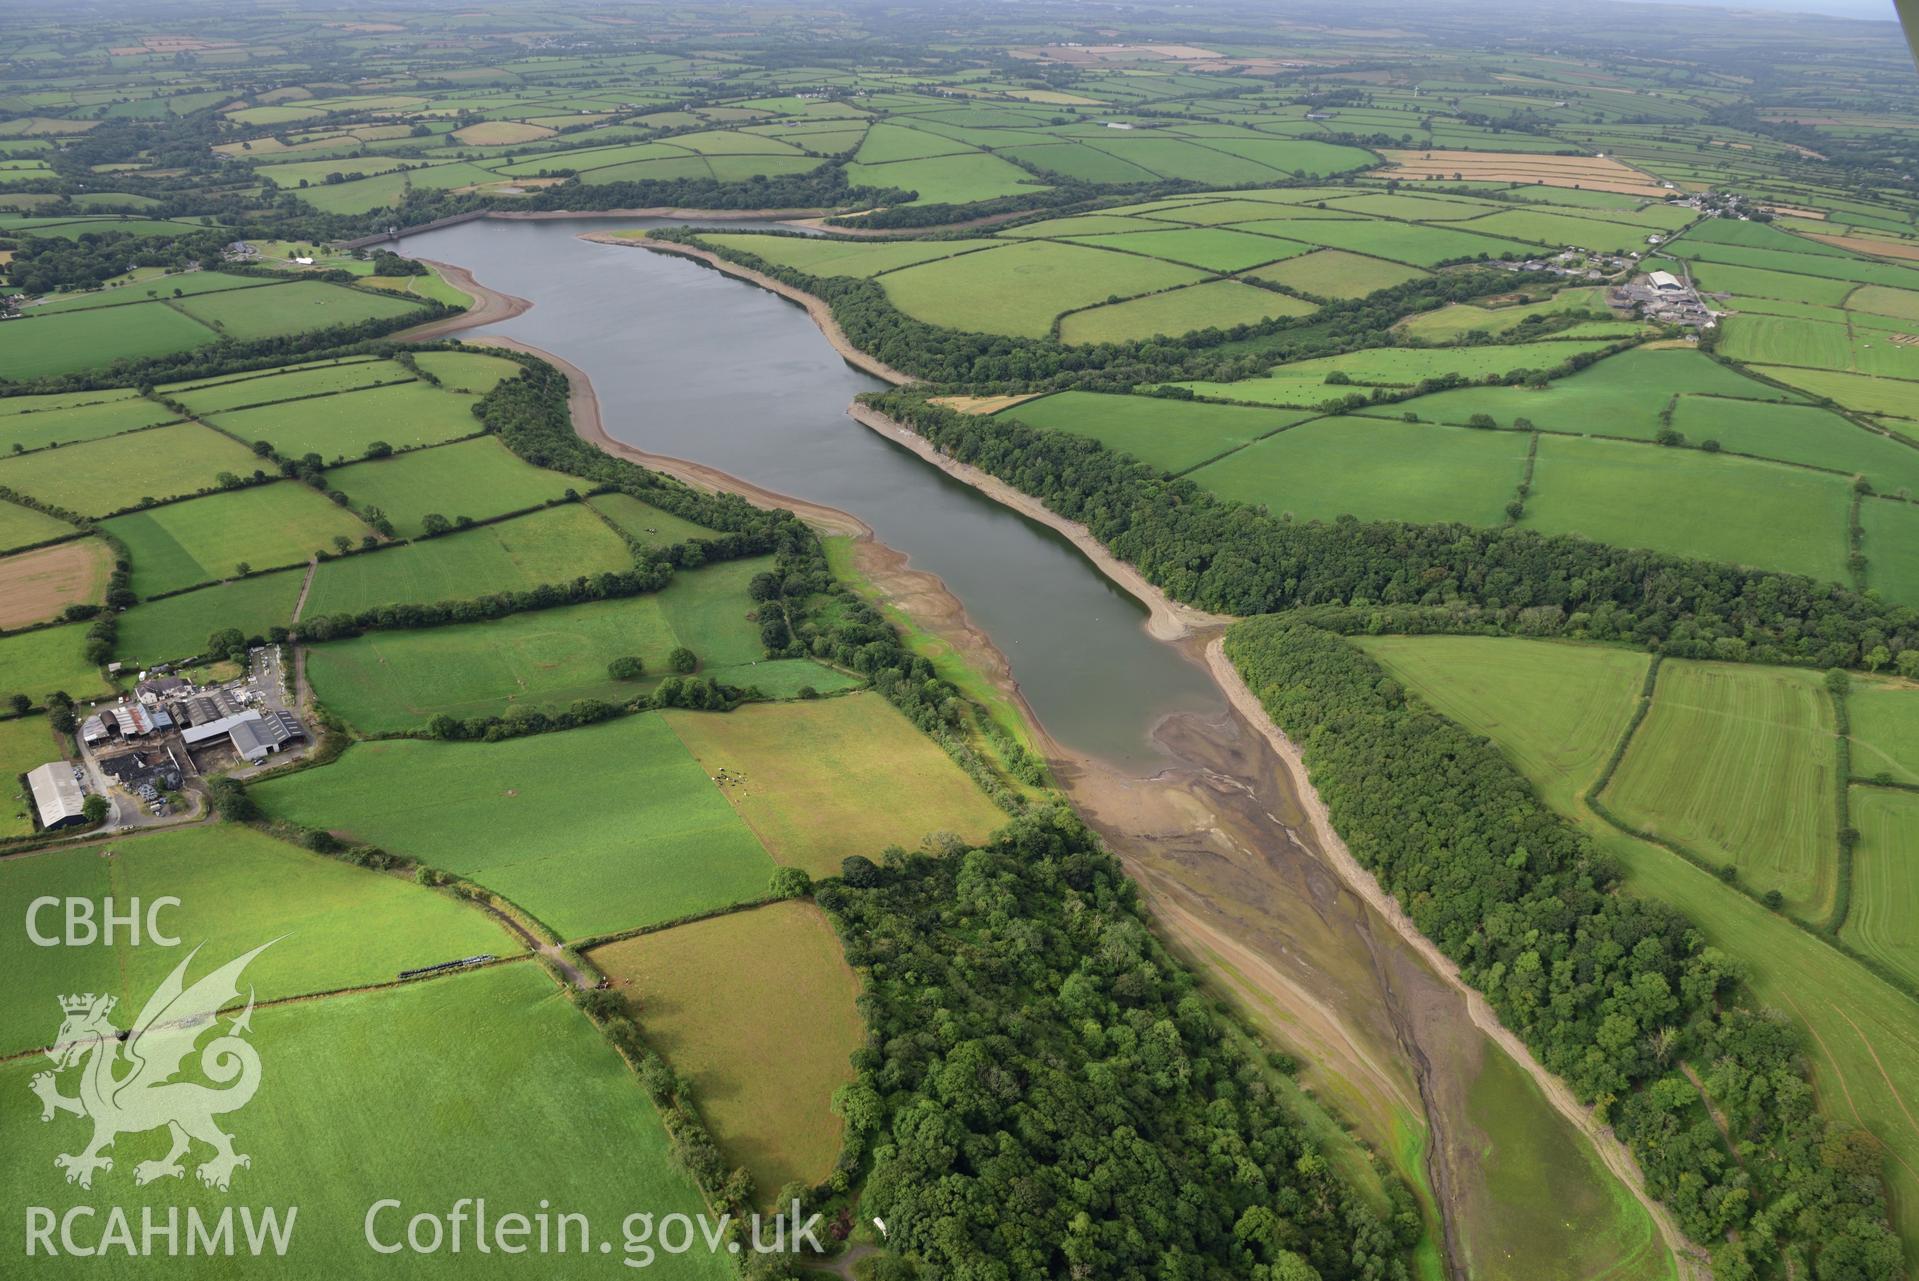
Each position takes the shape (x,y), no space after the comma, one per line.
(1375,469)
(1558,230)
(342,426)
(248,314)
(1737,763)
(39,662)
(723,1001)
(1896,398)
(1413,244)
(1555,1211)
(25,742)
(346,927)
(290,383)
(1883,300)
(555,545)
(86,416)
(468,371)
(1334,273)
(1885,876)
(1754,281)
(1619,396)
(1767,340)
(477,478)
(185,283)
(23,526)
(1017,289)
(398,680)
(1689,503)
(178,626)
(1173,435)
(1799,434)
(35,347)
(649,524)
(354,1086)
(1885,730)
(1303,382)
(822,256)
(941,180)
(265,526)
(35,586)
(1209,248)
(1455,321)
(103,476)
(1864,1033)
(649,838)
(804,777)
(1216,304)
(1891,545)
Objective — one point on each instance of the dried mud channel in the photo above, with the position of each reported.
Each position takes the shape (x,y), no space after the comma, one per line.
(1235,876)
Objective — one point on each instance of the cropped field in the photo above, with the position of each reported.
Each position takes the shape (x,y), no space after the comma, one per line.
(35,586)
(342,426)
(83,416)
(556,545)
(648,836)
(804,776)
(103,476)
(1885,730)
(1737,763)
(1585,172)
(1019,288)
(478,478)
(1885,872)
(1688,503)
(178,626)
(546,1110)
(1172,435)
(765,1057)
(347,926)
(650,525)
(25,742)
(248,314)
(1376,470)
(202,539)
(39,662)
(63,343)
(23,526)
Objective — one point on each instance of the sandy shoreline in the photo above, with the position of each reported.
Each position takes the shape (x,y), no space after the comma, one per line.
(816,308)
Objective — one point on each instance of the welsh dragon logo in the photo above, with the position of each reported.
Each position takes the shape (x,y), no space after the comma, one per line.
(127,1086)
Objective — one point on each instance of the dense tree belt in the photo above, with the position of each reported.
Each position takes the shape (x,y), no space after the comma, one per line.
(1615,993)
(1049,1095)
(1235,559)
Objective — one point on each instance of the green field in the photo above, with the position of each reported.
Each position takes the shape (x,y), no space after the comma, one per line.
(37,663)
(1451,323)
(803,776)
(249,314)
(178,626)
(103,476)
(1376,470)
(1216,304)
(1885,877)
(1885,730)
(184,283)
(1737,764)
(1862,392)
(353,1108)
(787,999)
(468,371)
(25,741)
(289,383)
(647,523)
(1891,546)
(1209,248)
(397,680)
(344,928)
(1018,289)
(1799,434)
(1173,435)
(1303,382)
(1688,503)
(820,256)
(33,422)
(556,545)
(61,344)
(1864,1044)
(342,426)
(1332,273)
(477,479)
(943,180)
(23,526)
(266,526)
(647,836)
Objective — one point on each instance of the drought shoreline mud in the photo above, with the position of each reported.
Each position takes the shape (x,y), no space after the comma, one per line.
(1243,875)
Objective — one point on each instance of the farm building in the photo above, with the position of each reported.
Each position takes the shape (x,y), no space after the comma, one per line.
(214,705)
(255,735)
(158,688)
(149,765)
(56,795)
(1665,282)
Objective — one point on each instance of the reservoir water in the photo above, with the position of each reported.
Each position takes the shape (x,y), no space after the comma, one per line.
(693,364)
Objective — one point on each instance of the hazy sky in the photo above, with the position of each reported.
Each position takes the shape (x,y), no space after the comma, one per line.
(1879,9)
